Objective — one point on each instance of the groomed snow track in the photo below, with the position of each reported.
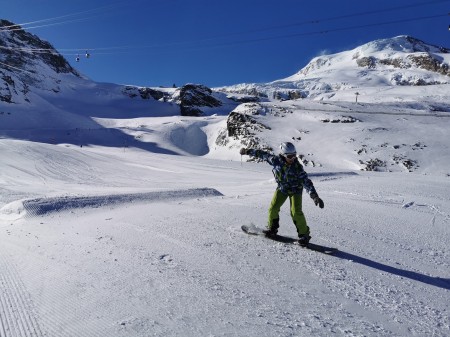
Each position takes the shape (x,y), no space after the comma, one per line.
(41,206)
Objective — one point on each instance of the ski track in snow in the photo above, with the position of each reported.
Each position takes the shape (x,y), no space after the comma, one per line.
(17,313)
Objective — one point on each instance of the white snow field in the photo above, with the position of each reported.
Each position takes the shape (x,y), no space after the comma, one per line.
(125,241)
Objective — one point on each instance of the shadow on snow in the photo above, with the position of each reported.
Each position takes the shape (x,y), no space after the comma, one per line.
(96,136)
(434,281)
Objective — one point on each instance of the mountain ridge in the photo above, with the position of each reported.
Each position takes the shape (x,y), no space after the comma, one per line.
(28,62)
(402,60)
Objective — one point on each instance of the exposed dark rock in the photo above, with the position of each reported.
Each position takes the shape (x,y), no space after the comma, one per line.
(362,150)
(369,62)
(252,92)
(23,55)
(193,97)
(244,99)
(342,119)
(190,111)
(395,62)
(374,165)
(286,95)
(408,164)
(296,94)
(145,93)
(242,125)
(428,62)
(41,50)
(308,162)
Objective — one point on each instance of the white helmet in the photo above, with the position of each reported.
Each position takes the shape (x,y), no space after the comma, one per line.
(287,148)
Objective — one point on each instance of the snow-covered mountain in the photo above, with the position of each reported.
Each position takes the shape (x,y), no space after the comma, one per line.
(120,206)
(27,63)
(382,64)
(38,86)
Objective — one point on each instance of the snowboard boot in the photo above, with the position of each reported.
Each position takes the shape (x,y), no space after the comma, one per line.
(272,228)
(303,240)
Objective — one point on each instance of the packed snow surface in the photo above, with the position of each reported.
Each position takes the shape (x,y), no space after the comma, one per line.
(105,241)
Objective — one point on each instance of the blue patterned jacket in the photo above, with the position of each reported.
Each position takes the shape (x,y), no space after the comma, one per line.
(290,178)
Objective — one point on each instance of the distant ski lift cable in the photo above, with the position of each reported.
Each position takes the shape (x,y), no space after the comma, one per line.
(131,49)
(189,46)
(339,17)
(98,9)
(12,29)
(110,50)
(325,31)
(15,68)
(315,21)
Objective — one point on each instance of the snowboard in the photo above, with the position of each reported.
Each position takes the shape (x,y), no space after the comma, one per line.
(253,230)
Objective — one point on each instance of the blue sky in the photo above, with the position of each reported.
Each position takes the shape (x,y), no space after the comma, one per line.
(212,42)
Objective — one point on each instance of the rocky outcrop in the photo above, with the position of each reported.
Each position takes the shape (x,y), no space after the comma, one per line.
(429,62)
(27,62)
(20,47)
(193,97)
(367,62)
(249,91)
(285,95)
(420,60)
(243,125)
(145,93)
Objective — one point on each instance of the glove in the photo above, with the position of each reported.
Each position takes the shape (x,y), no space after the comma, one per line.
(317,200)
(243,151)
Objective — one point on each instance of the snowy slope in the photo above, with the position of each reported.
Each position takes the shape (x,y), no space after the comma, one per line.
(96,262)
(119,217)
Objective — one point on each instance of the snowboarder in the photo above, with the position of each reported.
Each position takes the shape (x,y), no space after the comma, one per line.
(291,178)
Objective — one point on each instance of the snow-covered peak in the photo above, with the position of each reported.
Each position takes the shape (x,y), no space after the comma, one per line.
(404,52)
(402,43)
(23,52)
(398,61)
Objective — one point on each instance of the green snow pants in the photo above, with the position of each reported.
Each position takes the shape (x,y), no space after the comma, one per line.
(296,210)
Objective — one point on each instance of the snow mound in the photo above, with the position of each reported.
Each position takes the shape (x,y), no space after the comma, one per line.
(12,211)
(46,205)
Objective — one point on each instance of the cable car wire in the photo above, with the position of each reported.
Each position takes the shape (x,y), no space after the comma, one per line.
(188,44)
(97,9)
(339,17)
(285,36)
